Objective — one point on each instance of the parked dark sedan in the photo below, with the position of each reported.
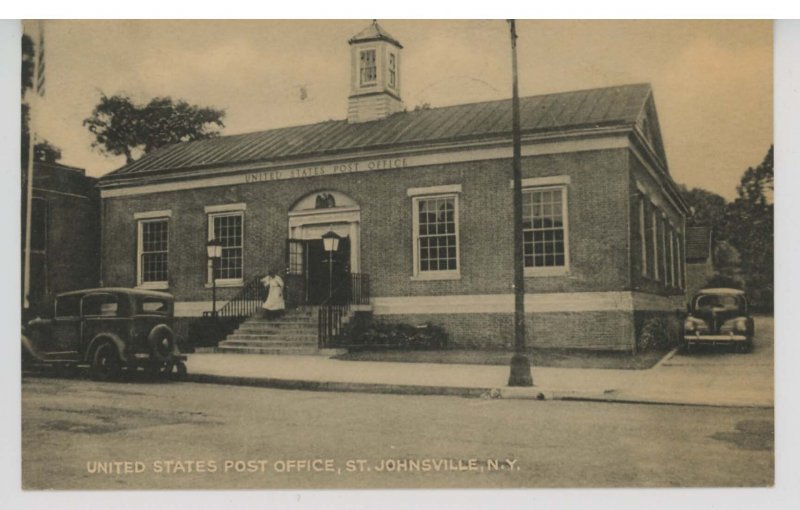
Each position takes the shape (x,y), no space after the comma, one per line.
(719,317)
(109,329)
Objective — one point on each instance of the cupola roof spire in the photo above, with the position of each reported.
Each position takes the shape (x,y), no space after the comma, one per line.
(374,32)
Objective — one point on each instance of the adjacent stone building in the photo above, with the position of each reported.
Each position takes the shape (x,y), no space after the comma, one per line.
(65,229)
(423,202)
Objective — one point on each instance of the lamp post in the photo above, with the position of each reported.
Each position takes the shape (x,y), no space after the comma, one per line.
(330,241)
(214,249)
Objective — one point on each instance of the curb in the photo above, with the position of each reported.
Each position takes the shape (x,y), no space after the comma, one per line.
(298,384)
(506,393)
(666,358)
(577,397)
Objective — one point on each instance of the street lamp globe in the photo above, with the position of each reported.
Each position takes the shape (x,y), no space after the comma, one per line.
(330,241)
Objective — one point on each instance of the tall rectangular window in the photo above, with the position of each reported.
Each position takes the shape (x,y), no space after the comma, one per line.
(649,245)
(436,235)
(39,215)
(153,259)
(654,240)
(643,235)
(295,255)
(680,258)
(665,250)
(227,228)
(367,67)
(672,271)
(544,228)
(392,70)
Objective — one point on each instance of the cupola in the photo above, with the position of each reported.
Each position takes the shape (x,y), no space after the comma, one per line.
(374,75)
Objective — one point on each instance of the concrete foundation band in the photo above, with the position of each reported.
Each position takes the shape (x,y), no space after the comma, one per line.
(498,304)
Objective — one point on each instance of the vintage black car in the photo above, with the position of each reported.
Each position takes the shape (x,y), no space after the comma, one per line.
(719,317)
(109,329)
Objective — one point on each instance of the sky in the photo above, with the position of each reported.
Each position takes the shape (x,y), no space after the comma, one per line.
(712,80)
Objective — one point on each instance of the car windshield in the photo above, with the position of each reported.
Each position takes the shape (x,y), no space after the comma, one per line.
(717,302)
(153,305)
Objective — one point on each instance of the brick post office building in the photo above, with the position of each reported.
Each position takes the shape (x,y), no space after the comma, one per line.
(423,203)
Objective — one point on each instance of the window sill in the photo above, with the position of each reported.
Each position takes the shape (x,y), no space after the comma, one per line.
(545,271)
(153,286)
(424,277)
(225,283)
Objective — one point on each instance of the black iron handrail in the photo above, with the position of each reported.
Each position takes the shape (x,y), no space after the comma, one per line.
(336,308)
(359,288)
(247,302)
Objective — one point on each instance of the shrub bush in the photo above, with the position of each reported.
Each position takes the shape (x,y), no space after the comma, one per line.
(659,333)
(370,334)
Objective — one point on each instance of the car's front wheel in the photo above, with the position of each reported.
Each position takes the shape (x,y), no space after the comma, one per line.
(106,365)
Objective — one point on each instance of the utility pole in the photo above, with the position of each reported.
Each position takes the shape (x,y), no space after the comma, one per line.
(521,374)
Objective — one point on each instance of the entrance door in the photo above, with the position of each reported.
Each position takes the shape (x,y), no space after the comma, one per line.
(328,274)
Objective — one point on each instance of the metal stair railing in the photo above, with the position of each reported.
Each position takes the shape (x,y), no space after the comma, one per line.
(331,314)
(247,302)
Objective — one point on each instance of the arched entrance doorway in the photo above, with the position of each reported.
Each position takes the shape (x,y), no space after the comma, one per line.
(314,275)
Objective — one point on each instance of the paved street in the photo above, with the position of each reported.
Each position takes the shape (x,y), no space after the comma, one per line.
(296,439)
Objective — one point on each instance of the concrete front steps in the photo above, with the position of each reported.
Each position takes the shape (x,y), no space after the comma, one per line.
(294,333)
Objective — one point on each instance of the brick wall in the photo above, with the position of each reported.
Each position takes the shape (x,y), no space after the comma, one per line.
(70,204)
(598,229)
(603,241)
(605,330)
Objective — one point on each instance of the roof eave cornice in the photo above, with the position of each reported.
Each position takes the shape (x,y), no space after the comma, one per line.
(671,186)
(123,180)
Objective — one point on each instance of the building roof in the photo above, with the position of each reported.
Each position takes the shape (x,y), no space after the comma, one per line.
(62,178)
(374,32)
(59,167)
(698,243)
(610,107)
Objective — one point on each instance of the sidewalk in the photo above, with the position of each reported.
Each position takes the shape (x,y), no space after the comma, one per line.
(666,383)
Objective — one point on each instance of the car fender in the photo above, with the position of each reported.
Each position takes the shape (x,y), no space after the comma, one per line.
(103,337)
(27,347)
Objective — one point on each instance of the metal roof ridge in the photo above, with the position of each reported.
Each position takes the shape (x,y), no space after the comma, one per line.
(163,153)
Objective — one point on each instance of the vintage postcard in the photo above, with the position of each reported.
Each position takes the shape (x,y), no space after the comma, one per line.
(307,254)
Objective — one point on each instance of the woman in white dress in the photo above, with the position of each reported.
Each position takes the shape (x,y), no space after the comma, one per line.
(274,305)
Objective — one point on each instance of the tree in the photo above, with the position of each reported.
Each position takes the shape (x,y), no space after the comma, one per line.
(751,217)
(727,267)
(706,209)
(46,152)
(758,184)
(122,127)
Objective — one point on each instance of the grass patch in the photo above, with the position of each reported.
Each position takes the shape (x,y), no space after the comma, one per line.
(559,358)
